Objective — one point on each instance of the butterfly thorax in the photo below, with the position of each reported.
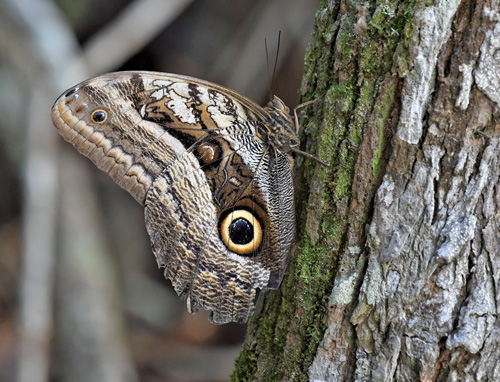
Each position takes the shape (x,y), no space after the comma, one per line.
(280,132)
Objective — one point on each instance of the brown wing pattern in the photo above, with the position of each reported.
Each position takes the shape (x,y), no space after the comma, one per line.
(217,191)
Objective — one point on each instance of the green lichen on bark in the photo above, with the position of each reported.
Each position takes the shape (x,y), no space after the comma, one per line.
(348,68)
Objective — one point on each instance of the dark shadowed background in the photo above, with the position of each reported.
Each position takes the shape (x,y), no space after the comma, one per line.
(81,298)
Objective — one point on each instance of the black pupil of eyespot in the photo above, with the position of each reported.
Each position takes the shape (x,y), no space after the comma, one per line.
(99,116)
(241,231)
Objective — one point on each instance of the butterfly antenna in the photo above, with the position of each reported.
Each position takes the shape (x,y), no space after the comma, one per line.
(275,62)
(268,74)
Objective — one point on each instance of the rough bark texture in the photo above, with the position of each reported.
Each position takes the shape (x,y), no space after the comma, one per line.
(396,272)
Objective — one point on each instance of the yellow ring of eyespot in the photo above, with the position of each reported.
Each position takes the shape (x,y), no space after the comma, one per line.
(241,249)
(97,111)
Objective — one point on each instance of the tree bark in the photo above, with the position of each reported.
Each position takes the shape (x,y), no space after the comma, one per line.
(397,266)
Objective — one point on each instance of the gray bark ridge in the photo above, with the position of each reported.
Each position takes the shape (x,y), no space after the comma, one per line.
(428,304)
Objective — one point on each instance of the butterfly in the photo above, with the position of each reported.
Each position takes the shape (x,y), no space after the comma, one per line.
(212,169)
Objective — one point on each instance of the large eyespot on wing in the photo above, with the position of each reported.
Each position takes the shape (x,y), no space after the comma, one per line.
(241,231)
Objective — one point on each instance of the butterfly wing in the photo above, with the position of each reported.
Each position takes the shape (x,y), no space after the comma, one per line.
(218,197)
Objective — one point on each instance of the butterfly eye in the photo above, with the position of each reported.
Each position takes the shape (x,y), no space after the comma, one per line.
(99,116)
(241,232)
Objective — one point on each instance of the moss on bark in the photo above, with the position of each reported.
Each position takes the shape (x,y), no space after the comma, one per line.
(349,68)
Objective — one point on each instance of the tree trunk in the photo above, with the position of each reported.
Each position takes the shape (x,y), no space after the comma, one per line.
(397,267)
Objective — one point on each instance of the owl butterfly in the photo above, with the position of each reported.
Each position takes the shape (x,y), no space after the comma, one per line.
(212,169)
